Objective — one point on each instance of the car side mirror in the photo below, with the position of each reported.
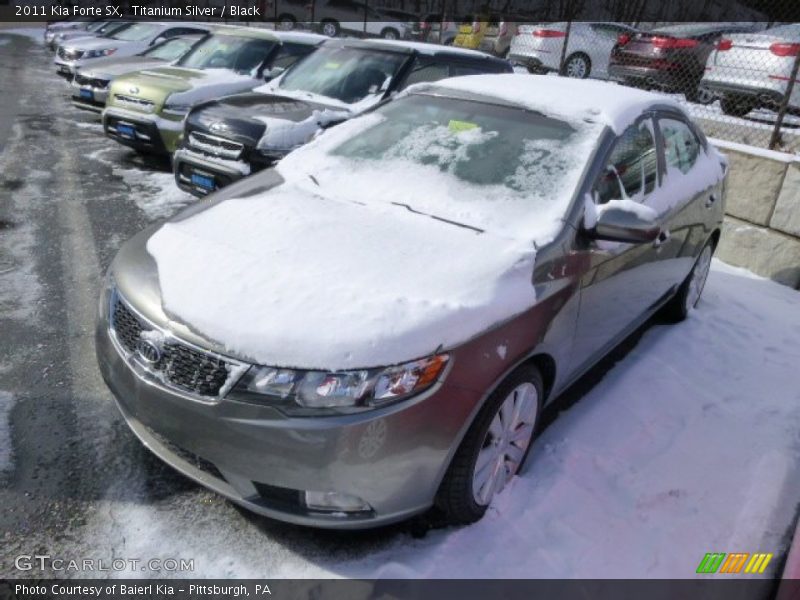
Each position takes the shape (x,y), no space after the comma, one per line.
(625,221)
(270,74)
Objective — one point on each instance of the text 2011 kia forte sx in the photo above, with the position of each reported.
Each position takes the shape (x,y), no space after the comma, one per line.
(373,326)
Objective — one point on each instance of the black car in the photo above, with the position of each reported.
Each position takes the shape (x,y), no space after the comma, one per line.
(228,138)
(672,59)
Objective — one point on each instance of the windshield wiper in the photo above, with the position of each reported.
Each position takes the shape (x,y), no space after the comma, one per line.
(456,223)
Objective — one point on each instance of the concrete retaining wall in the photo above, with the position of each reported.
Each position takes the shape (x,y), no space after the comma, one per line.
(762,226)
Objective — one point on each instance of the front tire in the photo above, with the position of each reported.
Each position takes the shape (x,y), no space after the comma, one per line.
(494,448)
(389,33)
(688,295)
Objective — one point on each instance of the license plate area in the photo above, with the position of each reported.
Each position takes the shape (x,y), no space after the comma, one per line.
(203,181)
(126,131)
(86,94)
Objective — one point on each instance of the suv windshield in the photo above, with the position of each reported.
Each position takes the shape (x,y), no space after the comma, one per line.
(346,74)
(136,32)
(240,54)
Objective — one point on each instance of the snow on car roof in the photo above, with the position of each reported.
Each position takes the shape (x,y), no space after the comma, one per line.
(301,37)
(425,48)
(572,99)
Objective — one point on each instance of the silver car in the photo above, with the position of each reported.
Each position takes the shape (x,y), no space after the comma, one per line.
(539,47)
(752,70)
(322,343)
(127,41)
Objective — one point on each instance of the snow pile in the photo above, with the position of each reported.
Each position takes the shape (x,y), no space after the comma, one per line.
(284,134)
(598,101)
(357,285)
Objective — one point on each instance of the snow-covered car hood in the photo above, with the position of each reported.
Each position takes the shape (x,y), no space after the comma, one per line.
(186,86)
(293,278)
(110,67)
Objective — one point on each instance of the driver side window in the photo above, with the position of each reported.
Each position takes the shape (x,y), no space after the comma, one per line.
(632,168)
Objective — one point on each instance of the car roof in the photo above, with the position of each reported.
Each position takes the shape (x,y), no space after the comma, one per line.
(406,47)
(561,97)
(300,37)
(254,32)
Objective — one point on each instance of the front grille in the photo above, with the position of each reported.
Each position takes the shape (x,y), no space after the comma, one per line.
(211,144)
(135,103)
(91,81)
(179,365)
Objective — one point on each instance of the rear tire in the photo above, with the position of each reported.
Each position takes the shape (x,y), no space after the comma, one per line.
(390,33)
(578,65)
(286,23)
(688,295)
(735,106)
(330,28)
(502,445)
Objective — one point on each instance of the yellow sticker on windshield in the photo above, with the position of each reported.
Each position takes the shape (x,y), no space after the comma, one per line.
(332,65)
(459,126)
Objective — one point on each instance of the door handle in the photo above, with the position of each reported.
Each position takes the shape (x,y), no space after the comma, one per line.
(710,200)
(663,236)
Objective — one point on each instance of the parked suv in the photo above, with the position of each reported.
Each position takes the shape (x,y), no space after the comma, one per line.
(229,138)
(145,109)
(752,70)
(90,84)
(374,326)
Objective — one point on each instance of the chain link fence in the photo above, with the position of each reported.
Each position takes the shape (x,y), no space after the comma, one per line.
(737,78)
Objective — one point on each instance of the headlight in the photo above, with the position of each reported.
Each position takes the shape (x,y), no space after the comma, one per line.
(176,110)
(99,53)
(294,391)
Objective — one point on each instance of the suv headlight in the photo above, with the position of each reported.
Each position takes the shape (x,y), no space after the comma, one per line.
(342,391)
(99,53)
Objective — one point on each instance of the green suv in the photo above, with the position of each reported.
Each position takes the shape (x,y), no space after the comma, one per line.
(145,109)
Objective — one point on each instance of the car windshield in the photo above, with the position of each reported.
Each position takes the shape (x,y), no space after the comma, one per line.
(109,29)
(96,25)
(484,165)
(346,74)
(240,54)
(172,49)
(136,32)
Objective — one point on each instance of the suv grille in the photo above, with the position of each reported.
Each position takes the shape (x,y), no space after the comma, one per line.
(90,81)
(134,103)
(179,365)
(211,144)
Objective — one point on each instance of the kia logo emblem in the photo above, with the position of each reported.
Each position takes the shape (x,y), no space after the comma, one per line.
(148,351)
(133,90)
(218,126)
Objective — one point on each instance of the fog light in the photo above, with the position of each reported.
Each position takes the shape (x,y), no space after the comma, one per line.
(336,501)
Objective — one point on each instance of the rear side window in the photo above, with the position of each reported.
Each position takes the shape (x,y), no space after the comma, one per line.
(425,70)
(681,146)
(632,169)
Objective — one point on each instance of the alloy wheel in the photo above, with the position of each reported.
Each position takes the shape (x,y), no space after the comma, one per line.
(577,67)
(698,277)
(505,444)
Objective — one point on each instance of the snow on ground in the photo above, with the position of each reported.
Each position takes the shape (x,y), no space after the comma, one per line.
(35,34)
(6,451)
(688,445)
(154,192)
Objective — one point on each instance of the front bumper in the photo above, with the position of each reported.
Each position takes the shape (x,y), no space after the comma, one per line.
(392,458)
(200,174)
(141,131)
(89,98)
